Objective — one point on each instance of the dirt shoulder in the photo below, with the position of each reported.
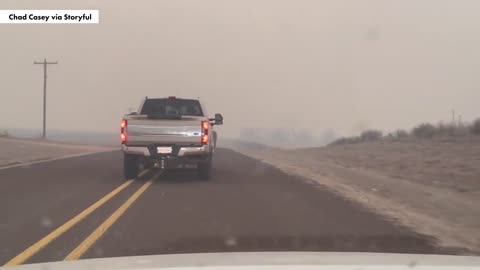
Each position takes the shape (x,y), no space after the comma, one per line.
(18,151)
(431,187)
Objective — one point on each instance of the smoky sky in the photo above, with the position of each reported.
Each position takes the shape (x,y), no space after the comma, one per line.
(341,65)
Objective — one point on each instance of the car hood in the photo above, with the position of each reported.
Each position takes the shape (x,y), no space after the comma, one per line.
(267,260)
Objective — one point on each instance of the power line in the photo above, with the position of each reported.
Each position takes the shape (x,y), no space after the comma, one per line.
(45,64)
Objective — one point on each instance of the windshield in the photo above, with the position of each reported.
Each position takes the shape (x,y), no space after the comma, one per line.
(149,127)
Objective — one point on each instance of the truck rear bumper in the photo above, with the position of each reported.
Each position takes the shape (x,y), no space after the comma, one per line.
(182,151)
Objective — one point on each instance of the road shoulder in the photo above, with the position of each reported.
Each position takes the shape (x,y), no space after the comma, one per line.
(18,152)
(443,214)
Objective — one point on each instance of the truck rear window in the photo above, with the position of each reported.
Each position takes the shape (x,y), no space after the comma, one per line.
(164,106)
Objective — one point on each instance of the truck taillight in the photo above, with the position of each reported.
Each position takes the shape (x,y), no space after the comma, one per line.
(205,128)
(205,125)
(123,127)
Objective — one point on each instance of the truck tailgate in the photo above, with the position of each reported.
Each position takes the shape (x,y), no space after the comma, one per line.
(142,131)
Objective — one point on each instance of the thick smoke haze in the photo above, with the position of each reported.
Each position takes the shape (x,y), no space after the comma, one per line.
(328,67)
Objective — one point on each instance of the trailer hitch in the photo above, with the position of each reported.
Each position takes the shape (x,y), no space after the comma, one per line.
(160,164)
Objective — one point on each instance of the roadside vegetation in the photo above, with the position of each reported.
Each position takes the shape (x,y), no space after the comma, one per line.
(424,131)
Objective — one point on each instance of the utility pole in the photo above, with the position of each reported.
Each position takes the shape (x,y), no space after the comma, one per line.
(45,63)
(453,117)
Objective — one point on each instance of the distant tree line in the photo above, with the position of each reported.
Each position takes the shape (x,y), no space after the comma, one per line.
(421,131)
(287,136)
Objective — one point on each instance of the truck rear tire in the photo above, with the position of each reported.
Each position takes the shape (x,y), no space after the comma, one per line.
(130,166)
(205,169)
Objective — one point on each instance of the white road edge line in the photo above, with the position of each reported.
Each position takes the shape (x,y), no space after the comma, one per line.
(54,159)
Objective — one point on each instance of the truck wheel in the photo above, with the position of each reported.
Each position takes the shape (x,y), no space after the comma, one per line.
(205,169)
(130,166)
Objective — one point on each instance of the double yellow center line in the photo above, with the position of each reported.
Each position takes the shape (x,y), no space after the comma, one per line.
(95,235)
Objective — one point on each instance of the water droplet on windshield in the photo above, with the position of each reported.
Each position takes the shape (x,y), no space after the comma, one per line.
(230,241)
(46,222)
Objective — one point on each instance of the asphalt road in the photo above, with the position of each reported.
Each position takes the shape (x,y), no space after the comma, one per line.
(51,211)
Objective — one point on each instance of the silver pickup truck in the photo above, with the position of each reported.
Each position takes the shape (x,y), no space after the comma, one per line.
(169,133)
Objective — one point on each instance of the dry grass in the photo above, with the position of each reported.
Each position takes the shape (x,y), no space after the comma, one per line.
(17,151)
(452,163)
